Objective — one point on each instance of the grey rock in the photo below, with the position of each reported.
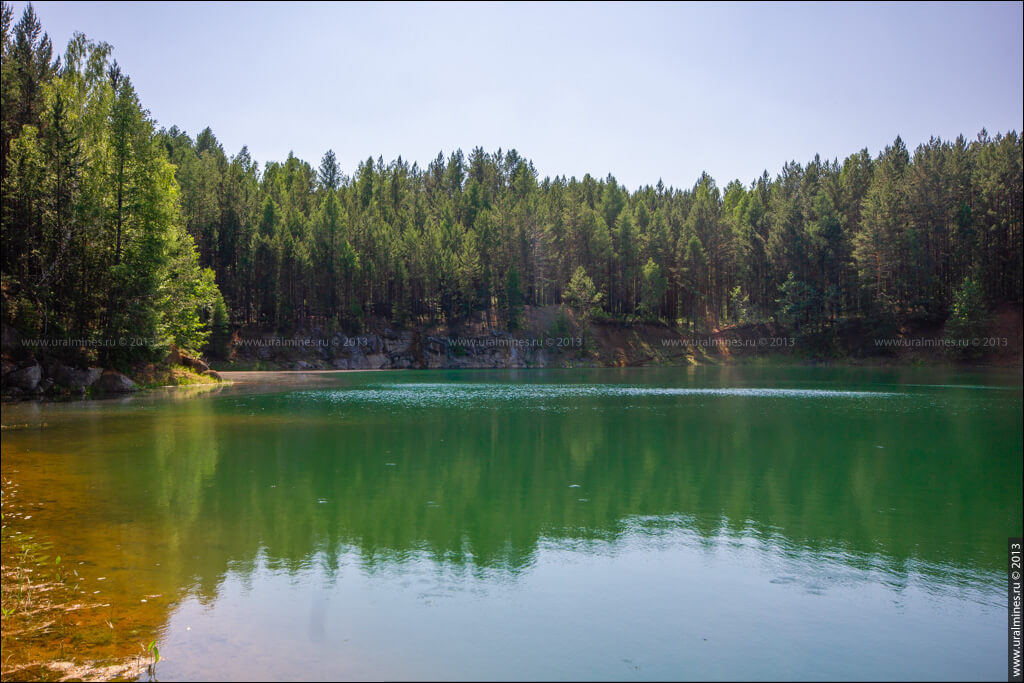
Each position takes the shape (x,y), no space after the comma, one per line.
(26,378)
(401,361)
(74,378)
(377,361)
(113,382)
(356,357)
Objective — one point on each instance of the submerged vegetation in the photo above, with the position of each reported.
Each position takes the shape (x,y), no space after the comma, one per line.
(53,627)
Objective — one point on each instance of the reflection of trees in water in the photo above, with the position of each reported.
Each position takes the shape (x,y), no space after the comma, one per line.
(481,488)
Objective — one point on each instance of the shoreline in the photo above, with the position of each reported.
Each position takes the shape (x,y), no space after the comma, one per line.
(284,376)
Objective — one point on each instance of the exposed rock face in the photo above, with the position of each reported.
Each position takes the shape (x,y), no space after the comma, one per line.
(405,349)
(74,378)
(25,379)
(173,356)
(176,357)
(113,382)
(198,365)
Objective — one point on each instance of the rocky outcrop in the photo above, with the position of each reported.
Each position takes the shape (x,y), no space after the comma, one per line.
(176,357)
(396,350)
(75,379)
(52,377)
(24,379)
(113,382)
(196,364)
(173,356)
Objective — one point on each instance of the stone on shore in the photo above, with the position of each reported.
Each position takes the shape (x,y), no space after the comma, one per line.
(26,378)
(113,382)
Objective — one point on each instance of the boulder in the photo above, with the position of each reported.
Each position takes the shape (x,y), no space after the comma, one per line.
(194,363)
(113,382)
(26,378)
(74,378)
(173,356)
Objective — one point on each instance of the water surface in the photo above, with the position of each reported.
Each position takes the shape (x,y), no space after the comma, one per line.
(766,523)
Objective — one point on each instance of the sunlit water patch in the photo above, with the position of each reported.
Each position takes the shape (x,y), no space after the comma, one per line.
(422,394)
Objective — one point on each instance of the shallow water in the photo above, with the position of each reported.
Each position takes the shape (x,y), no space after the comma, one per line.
(766,523)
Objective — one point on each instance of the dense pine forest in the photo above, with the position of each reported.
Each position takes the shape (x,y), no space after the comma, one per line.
(112,227)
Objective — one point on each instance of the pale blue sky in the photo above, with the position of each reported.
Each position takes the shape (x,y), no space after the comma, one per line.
(641,91)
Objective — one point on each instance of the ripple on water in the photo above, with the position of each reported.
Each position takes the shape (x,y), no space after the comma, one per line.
(466,394)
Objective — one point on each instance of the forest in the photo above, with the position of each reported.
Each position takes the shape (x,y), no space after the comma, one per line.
(113,227)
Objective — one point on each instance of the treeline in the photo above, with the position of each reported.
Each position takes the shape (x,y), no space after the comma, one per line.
(890,240)
(94,247)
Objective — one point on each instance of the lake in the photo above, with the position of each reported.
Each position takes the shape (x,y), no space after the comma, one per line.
(708,523)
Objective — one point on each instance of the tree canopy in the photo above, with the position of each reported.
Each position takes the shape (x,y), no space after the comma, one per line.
(112,228)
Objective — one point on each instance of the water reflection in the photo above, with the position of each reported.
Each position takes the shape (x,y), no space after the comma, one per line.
(481,484)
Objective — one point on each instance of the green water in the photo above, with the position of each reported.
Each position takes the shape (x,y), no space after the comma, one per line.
(714,523)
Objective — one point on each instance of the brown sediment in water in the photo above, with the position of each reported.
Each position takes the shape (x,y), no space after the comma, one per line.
(62,620)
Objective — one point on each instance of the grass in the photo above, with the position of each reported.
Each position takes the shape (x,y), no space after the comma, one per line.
(173,376)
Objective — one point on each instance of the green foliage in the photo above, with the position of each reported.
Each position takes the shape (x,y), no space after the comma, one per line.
(582,295)
(968,320)
(653,287)
(739,307)
(93,239)
(560,327)
(99,211)
(799,303)
(218,345)
(514,297)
